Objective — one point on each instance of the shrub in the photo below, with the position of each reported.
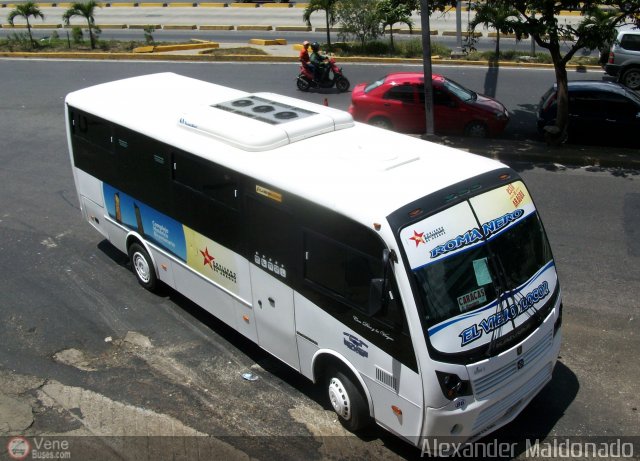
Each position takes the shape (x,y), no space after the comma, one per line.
(77,35)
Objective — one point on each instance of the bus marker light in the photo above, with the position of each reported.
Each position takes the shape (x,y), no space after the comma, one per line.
(245,318)
(164,267)
(396,410)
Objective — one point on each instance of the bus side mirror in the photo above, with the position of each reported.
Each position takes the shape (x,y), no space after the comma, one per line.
(378,287)
(376,296)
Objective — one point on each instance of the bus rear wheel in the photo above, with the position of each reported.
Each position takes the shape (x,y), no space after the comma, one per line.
(142,266)
(347,401)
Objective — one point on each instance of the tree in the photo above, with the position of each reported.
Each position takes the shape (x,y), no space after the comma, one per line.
(539,18)
(25,10)
(391,12)
(496,14)
(86,10)
(359,18)
(329,7)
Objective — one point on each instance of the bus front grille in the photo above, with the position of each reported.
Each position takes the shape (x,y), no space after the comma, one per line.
(485,386)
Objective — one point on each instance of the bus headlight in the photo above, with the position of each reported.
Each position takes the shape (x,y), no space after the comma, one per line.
(452,386)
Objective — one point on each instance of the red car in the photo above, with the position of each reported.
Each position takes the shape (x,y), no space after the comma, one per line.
(396,101)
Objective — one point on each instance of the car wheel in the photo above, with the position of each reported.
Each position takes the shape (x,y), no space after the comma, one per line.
(381,122)
(143,267)
(631,78)
(476,130)
(347,401)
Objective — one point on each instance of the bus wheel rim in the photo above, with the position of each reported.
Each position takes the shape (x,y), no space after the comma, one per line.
(339,399)
(142,268)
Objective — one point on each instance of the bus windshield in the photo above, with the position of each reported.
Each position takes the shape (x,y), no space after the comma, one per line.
(481,268)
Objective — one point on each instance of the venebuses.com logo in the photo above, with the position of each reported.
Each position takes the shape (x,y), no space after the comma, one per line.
(38,448)
(18,448)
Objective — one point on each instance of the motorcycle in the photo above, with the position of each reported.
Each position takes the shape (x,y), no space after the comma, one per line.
(306,79)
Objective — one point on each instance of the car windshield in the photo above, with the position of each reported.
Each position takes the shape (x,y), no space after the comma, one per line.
(374,85)
(461,92)
(481,268)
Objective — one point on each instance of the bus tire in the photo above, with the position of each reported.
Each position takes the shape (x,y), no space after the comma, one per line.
(347,401)
(143,267)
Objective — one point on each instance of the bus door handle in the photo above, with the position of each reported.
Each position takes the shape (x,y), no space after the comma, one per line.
(271,301)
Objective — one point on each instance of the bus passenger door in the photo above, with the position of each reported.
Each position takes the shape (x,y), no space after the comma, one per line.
(270,236)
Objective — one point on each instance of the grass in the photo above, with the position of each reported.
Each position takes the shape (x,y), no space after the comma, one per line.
(411,48)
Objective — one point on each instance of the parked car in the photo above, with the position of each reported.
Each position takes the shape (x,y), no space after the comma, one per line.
(603,111)
(396,101)
(624,58)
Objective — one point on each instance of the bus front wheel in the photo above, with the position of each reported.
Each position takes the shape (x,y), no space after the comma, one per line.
(142,266)
(347,401)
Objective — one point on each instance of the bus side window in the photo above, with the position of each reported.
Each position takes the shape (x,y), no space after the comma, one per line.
(94,130)
(210,180)
(342,270)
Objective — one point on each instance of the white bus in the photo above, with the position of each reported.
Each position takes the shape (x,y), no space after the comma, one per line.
(414,281)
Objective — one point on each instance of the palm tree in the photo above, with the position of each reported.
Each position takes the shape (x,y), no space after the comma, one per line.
(25,10)
(86,10)
(391,12)
(328,6)
(497,14)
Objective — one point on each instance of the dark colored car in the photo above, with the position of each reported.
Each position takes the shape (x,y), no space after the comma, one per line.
(606,112)
(396,101)
(624,58)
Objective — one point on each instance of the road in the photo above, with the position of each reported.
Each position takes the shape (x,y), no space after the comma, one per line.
(91,353)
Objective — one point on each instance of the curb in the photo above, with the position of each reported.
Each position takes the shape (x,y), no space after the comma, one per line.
(273,58)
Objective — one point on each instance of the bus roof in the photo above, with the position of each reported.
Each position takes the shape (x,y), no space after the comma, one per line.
(319,153)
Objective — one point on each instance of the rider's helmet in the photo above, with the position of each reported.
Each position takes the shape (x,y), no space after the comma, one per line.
(315,46)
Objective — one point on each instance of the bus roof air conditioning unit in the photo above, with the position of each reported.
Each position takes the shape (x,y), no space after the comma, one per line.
(264,121)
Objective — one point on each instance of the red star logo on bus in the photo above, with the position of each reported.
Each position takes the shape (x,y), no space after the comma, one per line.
(208,259)
(418,238)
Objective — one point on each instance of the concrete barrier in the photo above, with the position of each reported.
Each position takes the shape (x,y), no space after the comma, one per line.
(216,27)
(417,31)
(213,5)
(179,27)
(256,27)
(276,5)
(270,42)
(112,26)
(186,46)
(243,5)
(495,34)
(292,28)
(142,26)
(453,33)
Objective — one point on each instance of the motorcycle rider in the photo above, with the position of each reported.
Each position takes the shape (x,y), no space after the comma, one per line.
(304,56)
(319,62)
